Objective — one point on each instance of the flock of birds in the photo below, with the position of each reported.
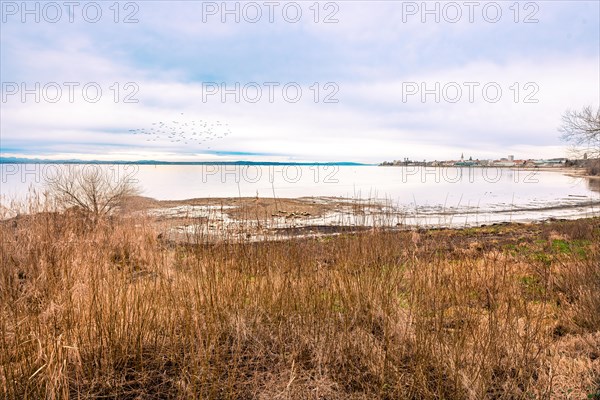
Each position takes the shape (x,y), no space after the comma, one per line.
(188,132)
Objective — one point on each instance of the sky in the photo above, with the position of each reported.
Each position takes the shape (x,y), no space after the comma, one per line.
(362,81)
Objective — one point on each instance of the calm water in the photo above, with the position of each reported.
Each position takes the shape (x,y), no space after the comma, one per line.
(503,193)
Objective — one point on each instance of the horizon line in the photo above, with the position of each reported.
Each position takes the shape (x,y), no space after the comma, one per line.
(24,160)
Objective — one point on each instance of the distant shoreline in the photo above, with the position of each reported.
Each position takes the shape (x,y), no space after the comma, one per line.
(3,160)
(153,162)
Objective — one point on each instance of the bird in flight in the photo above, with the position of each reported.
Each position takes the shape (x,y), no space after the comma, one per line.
(198,132)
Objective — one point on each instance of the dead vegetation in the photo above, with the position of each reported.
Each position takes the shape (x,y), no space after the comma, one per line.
(110,311)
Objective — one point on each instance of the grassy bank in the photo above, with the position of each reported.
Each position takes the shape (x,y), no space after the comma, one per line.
(111,311)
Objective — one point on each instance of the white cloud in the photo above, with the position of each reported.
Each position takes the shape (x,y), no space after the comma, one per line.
(371,122)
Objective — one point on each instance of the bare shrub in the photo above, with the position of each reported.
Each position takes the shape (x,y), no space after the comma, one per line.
(593,167)
(94,189)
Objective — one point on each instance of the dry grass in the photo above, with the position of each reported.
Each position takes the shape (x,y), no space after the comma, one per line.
(109,311)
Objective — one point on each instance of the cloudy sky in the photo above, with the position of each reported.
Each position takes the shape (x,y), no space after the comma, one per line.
(362,81)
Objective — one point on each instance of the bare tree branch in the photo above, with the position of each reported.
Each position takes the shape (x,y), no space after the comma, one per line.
(92,188)
(581,129)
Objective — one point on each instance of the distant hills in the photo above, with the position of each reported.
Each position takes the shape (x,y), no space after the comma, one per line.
(17,160)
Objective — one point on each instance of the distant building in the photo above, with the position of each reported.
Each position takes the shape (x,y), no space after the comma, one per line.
(503,162)
(553,162)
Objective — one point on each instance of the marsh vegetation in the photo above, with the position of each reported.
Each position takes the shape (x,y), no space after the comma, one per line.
(111,310)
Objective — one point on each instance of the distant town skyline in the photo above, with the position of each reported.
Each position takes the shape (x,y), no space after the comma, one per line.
(507,161)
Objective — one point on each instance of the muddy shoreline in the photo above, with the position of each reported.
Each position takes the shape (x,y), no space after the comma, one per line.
(259,219)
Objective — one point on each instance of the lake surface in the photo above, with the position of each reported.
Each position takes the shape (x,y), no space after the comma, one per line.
(469,195)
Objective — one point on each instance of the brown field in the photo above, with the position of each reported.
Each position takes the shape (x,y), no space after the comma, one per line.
(110,310)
